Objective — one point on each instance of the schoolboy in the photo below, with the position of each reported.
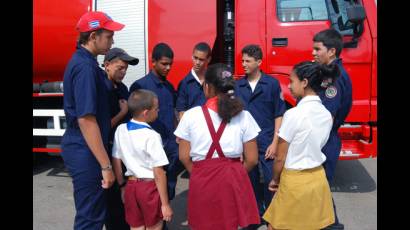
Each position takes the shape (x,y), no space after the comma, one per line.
(140,148)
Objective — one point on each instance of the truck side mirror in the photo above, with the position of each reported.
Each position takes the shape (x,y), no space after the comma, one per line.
(355,14)
(355,18)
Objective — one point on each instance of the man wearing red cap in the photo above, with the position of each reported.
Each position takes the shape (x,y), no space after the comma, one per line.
(85,141)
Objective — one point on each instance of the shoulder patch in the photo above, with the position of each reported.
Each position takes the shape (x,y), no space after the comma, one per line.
(331,92)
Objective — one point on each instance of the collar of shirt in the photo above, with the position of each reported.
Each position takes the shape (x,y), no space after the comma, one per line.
(244,81)
(212,103)
(309,98)
(140,123)
(86,53)
(155,78)
(195,76)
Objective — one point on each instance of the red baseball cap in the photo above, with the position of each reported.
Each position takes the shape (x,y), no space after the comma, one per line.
(95,20)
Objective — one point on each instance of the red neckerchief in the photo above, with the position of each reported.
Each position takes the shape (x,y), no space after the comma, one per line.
(212,103)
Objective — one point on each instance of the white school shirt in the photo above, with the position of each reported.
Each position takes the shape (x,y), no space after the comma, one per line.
(306,128)
(193,128)
(140,150)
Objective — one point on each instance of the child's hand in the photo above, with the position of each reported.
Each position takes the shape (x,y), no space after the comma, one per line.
(123,105)
(273,186)
(122,194)
(166,212)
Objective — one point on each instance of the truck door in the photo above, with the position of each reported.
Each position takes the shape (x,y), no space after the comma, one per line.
(290,27)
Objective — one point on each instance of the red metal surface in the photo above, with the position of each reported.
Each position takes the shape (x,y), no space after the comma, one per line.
(54,36)
(181,26)
(48,94)
(46,150)
(250,28)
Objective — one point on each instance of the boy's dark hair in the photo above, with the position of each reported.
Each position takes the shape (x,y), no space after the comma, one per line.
(84,36)
(162,50)
(330,38)
(140,100)
(253,51)
(222,79)
(204,47)
(319,76)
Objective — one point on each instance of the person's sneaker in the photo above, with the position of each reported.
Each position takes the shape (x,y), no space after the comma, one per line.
(337,226)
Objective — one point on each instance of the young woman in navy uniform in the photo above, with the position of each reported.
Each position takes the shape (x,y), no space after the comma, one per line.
(212,139)
(303,199)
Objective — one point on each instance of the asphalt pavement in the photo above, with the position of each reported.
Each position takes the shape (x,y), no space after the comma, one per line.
(354,191)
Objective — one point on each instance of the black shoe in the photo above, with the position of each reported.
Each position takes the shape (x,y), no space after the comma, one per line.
(338,226)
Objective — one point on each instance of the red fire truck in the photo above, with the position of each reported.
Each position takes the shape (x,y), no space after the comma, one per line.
(283,28)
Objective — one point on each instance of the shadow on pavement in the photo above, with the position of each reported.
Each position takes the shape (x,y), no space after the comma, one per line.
(179,206)
(352,177)
(44,162)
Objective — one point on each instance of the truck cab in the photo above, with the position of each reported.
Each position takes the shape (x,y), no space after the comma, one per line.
(284,29)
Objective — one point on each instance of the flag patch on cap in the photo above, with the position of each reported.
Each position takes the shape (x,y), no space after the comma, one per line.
(94,24)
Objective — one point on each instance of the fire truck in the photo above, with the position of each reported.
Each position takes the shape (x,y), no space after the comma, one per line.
(282,28)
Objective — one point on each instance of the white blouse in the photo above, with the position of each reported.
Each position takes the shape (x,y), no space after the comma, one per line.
(193,128)
(306,128)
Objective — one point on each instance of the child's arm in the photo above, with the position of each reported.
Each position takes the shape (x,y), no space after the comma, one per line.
(278,164)
(271,151)
(116,165)
(120,115)
(184,149)
(250,158)
(161,183)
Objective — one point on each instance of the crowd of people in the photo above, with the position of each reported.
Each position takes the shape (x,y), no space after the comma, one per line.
(251,160)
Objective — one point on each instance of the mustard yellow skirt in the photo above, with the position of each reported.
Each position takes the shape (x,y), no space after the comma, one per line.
(303,201)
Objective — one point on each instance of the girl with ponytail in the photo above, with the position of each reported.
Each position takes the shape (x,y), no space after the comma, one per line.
(303,199)
(212,139)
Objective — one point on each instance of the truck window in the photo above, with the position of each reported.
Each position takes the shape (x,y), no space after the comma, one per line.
(301,10)
(342,7)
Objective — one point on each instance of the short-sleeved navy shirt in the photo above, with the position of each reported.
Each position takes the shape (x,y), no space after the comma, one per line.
(190,93)
(338,98)
(265,104)
(165,123)
(119,91)
(85,93)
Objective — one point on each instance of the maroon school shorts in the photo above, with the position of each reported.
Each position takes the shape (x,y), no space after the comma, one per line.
(142,203)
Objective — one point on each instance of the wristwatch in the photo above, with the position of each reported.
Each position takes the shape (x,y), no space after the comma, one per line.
(107,168)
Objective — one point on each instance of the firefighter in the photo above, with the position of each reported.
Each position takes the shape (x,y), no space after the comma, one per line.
(116,63)
(261,95)
(190,91)
(212,139)
(327,46)
(85,141)
(156,81)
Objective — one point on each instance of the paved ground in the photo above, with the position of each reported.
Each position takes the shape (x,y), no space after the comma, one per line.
(354,190)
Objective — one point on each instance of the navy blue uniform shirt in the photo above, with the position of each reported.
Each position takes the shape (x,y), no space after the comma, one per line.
(190,93)
(117,93)
(338,98)
(85,92)
(265,104)
(165,123)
